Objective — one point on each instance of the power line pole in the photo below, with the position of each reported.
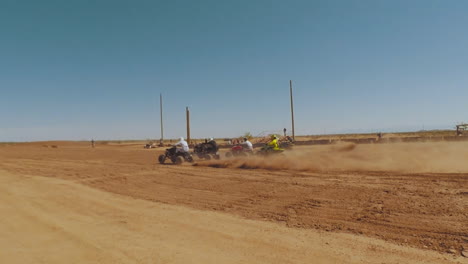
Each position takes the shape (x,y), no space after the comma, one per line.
(188,124)
(292,108)
(161,112)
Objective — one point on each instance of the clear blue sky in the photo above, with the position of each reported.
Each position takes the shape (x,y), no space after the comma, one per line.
(82,69)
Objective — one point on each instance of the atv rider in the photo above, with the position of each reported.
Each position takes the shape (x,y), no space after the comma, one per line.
(273,144)
(184,148)
(248,145)
(214,145)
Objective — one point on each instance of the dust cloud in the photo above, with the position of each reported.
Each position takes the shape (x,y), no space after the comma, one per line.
(435,157)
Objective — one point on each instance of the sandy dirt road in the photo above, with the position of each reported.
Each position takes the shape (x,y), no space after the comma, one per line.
(292,215)
(46,220)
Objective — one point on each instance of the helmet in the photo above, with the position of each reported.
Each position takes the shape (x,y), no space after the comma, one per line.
(211,139)
(181,138)
(273,136)
(245,139)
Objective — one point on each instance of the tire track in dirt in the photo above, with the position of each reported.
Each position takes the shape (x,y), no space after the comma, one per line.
(58,221)
(425,210)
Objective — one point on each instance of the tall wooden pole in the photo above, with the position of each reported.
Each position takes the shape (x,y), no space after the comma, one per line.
(161,112)
(292,108)
(188,124)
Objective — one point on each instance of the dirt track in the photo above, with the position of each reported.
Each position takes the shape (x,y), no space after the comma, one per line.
(369,191)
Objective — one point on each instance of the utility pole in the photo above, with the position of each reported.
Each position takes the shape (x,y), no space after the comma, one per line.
(188,124)
(161,112)
(292,109)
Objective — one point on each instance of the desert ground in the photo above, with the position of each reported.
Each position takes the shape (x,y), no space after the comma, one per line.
(65,202)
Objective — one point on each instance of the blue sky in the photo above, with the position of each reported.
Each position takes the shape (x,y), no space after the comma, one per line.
(77,69)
